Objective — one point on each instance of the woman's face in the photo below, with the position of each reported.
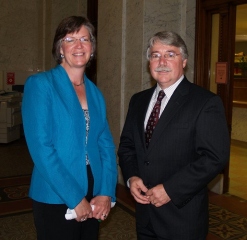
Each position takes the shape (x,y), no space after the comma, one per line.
(77,49)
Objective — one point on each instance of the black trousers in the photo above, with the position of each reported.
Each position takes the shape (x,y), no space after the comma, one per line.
(50,222)
(148,233)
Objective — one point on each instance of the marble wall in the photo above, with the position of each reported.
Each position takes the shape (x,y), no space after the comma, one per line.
(27,31)
(19,41)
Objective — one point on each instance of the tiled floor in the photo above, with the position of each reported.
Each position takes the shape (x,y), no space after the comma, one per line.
(15,160)
(238,169)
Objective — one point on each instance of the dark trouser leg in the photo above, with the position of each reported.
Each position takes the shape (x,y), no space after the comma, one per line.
(51,224)
(145,232)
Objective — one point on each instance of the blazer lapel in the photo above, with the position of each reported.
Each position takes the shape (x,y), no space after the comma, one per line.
(177,100)
(65,91)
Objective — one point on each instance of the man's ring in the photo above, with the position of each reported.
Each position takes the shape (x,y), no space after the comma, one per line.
(104,215)
(83,219)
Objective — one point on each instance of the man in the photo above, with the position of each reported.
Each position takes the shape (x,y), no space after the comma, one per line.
(168,175)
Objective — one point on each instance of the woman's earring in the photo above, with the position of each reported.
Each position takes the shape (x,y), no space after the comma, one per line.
(92,55)
(62,56)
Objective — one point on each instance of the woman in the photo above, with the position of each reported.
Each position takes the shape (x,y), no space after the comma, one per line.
(67,133)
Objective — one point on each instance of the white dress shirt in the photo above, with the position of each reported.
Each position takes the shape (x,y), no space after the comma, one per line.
(168,93)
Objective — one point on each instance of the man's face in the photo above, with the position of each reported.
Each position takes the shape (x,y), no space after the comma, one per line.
(166,71)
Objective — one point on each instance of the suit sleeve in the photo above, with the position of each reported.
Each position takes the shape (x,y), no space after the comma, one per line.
(212,148)
(126,151)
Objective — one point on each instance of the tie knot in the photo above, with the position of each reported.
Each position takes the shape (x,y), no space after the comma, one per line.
(161,95)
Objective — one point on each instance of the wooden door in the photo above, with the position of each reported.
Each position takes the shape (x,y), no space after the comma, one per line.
(215,42)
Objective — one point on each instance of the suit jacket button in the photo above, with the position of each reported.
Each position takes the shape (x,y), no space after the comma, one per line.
(146,163)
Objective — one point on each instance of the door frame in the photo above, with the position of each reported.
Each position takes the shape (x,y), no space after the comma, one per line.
(226,50)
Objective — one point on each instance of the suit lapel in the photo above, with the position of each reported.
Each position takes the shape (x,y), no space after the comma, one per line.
(141,111)
(178,99)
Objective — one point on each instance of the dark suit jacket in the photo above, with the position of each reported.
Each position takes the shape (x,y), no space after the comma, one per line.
(189,147)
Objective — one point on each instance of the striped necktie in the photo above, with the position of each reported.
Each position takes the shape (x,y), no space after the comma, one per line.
(153,118)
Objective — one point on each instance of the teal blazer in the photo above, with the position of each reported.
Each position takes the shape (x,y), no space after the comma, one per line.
(54,127)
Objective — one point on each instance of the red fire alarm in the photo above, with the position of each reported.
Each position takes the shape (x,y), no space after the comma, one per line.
(10,78)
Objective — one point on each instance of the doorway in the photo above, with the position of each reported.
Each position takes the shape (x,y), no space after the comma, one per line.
(238,159)
(218,22)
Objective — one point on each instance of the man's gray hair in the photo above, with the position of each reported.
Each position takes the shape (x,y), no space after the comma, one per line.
(168,38)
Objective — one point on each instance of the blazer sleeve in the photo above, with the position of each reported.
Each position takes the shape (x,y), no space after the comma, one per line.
(101,147)
(39,128)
